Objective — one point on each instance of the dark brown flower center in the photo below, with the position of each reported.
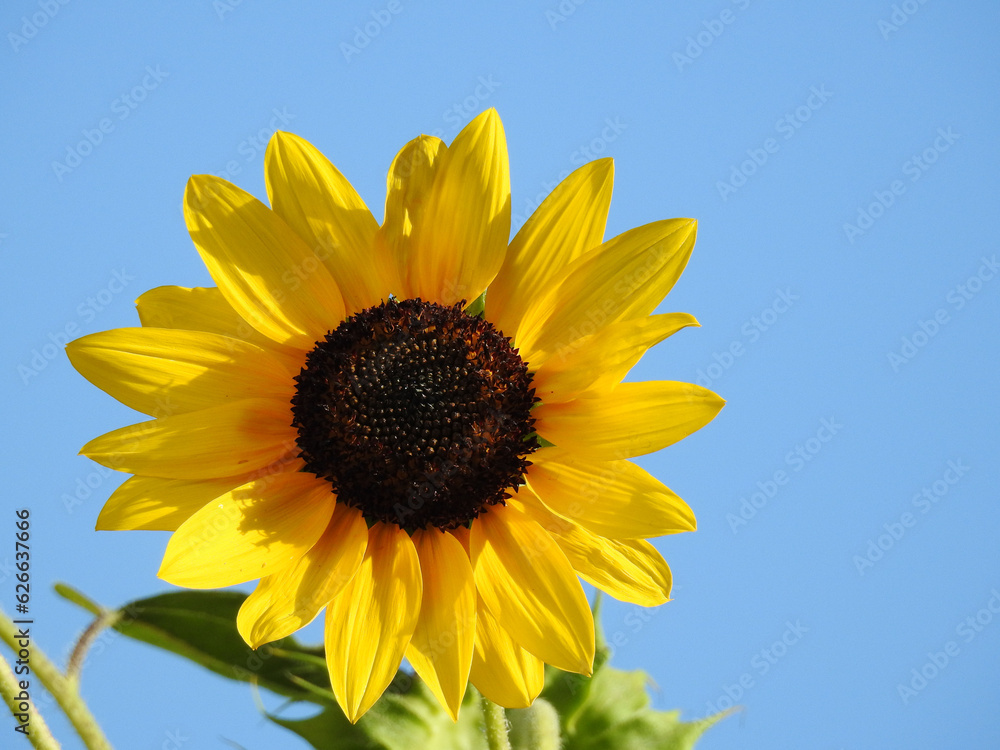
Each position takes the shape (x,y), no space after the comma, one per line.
(417,414)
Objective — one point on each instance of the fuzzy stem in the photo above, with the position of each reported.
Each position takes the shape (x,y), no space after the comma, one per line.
(496,725)
(75,664)
(64,690)
(38,731)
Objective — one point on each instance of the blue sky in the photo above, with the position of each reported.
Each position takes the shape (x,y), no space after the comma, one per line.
(843,165)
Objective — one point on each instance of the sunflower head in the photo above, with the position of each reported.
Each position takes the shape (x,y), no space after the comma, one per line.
(416,413)
(344,426)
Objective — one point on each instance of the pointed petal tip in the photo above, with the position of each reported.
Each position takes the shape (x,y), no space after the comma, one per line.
(605,164)
(690,228)
(488,118)
(164,572)
(712,396)
(197,187)
(195,182)
(281,139)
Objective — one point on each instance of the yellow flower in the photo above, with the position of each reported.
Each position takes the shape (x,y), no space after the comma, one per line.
(332,420)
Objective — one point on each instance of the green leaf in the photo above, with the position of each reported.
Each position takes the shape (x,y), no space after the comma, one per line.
(617,715)
(406,717)
(201,626)
(607,711)
(611,709)
(69,593)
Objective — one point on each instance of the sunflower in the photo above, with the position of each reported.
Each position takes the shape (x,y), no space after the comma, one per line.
(352,418)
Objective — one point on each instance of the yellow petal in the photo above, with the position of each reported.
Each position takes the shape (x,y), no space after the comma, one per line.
(371,621)
(630,570)
(161,371)
(205,309)
(599,362)
(631,420)
(441,649)
(569,222)
(626,277)
(160,504)
(461,533)
(289,599)
(459,239)
(616,499)
(265,271)
(528,584)
(323,208)
(249,532)
(409,184)
(222,441)
(501,670)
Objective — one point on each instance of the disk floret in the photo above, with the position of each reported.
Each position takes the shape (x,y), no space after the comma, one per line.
(416,413)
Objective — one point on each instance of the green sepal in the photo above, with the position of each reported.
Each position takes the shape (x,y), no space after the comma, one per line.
(477,307)
(535,728)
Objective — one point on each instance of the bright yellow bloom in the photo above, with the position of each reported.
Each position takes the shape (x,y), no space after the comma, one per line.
(330,420)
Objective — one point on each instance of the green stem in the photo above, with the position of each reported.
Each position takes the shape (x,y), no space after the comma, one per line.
(496,725)
(38,731)
(105,620)
(64,690)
